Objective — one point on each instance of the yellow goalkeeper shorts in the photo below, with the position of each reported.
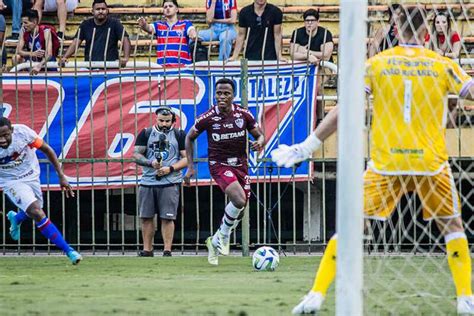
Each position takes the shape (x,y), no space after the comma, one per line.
(438,194)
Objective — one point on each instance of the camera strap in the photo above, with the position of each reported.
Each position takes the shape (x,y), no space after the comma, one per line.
(150,129)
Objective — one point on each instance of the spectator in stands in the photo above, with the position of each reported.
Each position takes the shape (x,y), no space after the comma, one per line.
(173,36)
(221,15)
(440,30)
(263,22)
(386,36)
(2,35)
(311,42)
(15,7)
(62,7)
(35,43)
(104,26)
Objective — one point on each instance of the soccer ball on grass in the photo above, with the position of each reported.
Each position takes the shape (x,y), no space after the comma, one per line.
(265,259)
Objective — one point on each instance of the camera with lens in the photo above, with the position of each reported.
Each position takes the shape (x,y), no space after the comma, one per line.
(159,147)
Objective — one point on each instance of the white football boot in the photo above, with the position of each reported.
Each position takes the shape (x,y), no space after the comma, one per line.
(213,255)
(466,305)
(310,304)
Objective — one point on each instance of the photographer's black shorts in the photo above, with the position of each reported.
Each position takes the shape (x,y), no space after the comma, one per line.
(161,200)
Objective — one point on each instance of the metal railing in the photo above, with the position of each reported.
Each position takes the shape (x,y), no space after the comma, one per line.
(92,117)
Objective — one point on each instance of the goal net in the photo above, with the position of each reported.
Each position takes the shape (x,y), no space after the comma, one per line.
(405,267)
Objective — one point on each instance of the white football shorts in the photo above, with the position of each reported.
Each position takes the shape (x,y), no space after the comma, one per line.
(24,193)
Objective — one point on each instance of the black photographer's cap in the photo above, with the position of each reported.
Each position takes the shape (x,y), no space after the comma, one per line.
(163,108)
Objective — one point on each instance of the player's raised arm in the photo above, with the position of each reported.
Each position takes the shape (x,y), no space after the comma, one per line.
(288,156)
(51,155)
(189,146)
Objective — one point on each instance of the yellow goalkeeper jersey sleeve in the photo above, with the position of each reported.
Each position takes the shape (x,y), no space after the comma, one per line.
(410,85)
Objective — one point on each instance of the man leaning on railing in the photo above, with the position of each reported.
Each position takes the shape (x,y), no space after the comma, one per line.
(36,43)
(102,35)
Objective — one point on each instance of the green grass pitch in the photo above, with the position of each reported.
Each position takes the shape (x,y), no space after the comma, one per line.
(186,285)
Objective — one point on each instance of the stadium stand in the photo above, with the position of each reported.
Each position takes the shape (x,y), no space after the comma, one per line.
(129,12)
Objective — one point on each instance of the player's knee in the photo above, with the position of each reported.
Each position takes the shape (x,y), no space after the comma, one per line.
(240,201)
(35,211)
(146,220)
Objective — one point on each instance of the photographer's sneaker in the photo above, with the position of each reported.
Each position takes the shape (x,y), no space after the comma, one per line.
(145,253)
(222,243)
(213,255)
(310,304)
(466,305)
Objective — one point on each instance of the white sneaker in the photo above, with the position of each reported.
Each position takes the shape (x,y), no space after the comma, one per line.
(310,304)
(466,305)
(223,243)
(213,255)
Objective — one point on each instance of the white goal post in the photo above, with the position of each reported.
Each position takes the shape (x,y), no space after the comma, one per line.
(350,165)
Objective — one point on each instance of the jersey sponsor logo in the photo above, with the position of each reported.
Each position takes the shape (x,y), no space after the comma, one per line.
(206,115)
(215,118)
(228,125)
(216,126)
(234,161)
(29,173)
(7,159)
(14,161)
(218,137)
(407,151)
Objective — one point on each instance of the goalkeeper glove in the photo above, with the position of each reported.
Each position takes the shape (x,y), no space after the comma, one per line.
(288,156)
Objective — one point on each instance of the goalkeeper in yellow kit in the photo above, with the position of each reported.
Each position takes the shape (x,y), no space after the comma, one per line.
(410,85)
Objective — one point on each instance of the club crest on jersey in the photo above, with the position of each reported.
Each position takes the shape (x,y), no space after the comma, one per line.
(239,122)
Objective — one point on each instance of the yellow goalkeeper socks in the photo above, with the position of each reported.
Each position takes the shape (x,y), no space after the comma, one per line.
(327,268)
(459,260)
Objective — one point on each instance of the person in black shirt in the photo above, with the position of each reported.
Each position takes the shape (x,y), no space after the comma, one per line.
(311,42)
(102,24)
(386,36)
(258,19)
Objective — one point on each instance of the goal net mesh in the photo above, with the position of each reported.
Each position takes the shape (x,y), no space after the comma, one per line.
(405,265)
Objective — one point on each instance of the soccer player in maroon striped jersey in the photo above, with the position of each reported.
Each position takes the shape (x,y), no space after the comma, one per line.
(226,125)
